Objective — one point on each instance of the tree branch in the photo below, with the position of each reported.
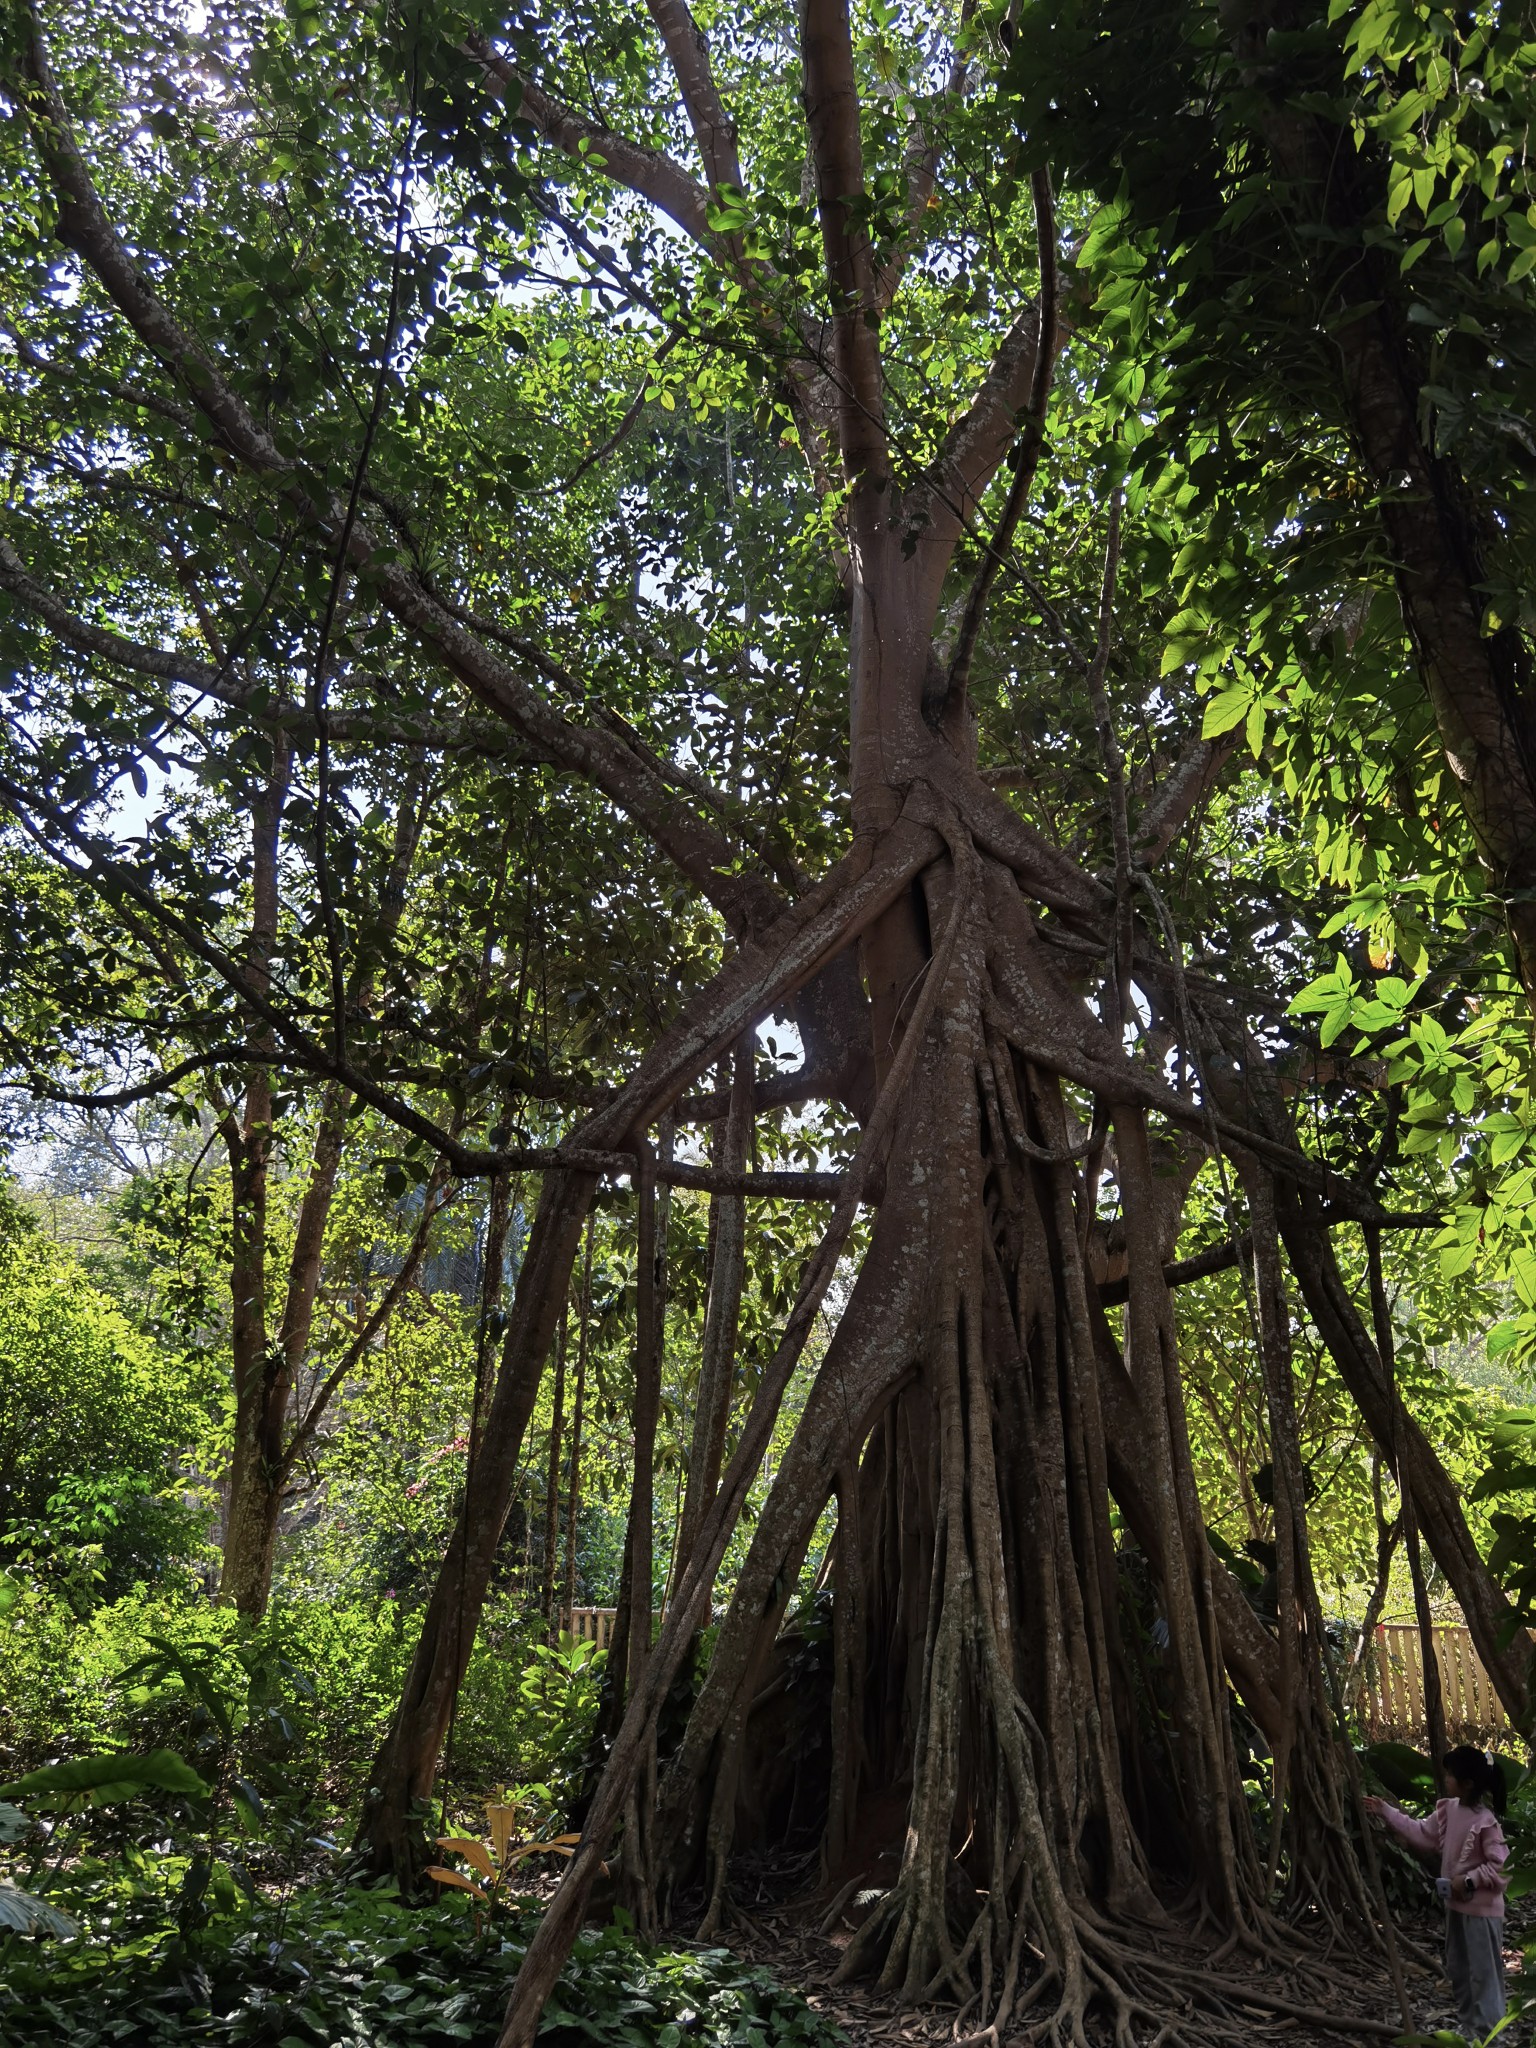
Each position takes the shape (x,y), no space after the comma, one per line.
(187,672)
(944,502)
(923,155)
(1192,776)
(304,1432)
(766,970)
(832,116)
(83,227)
(647,172)
(159,1083)
(111,387)
(713,129)
(1026,456)
(709,860)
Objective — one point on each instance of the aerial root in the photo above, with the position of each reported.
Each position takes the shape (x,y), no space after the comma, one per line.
(1150,2001)
(1152,1987)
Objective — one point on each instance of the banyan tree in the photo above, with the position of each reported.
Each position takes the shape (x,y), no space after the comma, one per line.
(861,244)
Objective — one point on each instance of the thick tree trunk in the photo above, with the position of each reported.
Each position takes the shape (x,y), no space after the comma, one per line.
(985,1670)
(772,966)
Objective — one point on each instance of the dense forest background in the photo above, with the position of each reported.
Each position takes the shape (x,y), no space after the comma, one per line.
(767,858)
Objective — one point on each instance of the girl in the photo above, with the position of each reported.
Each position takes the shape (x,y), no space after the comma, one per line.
(1465,1830)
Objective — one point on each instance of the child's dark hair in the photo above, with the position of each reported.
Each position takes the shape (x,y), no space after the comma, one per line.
(1476,1768)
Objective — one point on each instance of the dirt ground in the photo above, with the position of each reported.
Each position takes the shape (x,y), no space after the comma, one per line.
(784,1936)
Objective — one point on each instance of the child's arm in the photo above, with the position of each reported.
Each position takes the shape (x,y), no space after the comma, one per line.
(1421,1834)
(1490,1875)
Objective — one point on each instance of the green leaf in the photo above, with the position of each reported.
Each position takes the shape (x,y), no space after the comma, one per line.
(24,1914)
(1226,709)
(1253,728)
(103,1780)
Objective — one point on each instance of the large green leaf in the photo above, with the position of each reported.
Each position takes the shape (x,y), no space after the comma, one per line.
(1403,1772)
(104,1780)
(26,1914)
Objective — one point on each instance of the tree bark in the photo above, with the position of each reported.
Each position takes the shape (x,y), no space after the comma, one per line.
(1386,1350)
(266,1376)
(573,1510)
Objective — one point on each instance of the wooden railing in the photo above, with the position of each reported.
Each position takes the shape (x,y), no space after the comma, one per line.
(589,1624)
(1392,1703)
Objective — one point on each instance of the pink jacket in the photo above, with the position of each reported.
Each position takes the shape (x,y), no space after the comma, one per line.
(1471,1844)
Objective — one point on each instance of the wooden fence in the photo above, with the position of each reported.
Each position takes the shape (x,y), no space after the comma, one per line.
(589,1624)
(1392,1696)
(1392,1702)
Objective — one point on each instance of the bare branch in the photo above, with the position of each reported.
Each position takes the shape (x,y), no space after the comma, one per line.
(670,771)
(713,128)
(647,172)
(1192,776)
(1027,455)
(656,177)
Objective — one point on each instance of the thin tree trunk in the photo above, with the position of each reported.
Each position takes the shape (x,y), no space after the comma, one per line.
(1381,1317)
(264,1457)
(815,930)
(557,1931)
(552,1487)
(650,1322)
(1387,1535)
(583,1342)
(1408,1451)
(254,1491)
(723,1310)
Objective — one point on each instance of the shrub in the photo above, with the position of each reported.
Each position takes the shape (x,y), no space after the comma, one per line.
(340,1965)
(93,1417)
